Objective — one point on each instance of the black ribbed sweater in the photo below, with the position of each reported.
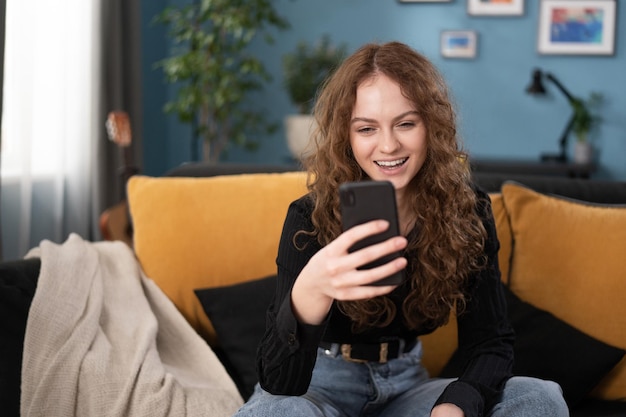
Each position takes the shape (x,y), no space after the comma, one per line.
(287,353)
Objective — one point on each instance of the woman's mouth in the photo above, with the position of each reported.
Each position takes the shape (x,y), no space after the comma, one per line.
(396,163)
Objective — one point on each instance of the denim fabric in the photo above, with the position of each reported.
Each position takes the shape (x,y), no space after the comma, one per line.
(398,388)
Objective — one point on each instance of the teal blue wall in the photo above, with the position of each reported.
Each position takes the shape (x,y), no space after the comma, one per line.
(497,119)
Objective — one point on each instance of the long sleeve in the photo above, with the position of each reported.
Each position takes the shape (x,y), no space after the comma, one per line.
(287,352)
(485,335)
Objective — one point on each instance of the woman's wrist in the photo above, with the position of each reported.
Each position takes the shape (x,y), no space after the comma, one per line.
(308,307)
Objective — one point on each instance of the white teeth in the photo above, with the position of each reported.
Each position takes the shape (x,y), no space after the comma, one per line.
(390,164)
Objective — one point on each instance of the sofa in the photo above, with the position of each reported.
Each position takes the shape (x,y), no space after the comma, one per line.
(208,235)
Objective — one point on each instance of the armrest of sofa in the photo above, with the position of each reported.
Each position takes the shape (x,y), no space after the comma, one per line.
(18,282)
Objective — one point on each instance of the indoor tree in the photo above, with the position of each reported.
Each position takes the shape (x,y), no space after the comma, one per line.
(305,69)
(214,70)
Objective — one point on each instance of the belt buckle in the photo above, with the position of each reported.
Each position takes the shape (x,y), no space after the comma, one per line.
(346,353)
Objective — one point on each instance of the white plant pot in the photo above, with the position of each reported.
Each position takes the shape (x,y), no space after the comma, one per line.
(299,129)
(583,152)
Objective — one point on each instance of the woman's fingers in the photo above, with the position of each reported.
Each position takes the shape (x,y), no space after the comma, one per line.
(357,284)
(333,274)
(341,260)
(359,232)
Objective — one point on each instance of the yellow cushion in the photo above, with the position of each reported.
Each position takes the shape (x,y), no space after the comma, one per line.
(503,229)
(439,346)
(192,233)
(568,259)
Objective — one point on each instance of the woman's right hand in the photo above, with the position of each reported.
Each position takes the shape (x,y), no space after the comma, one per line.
(331,274)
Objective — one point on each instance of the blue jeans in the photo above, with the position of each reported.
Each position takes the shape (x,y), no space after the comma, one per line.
(398,388)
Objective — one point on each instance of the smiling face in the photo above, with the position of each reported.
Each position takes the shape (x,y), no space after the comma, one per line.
(387,135)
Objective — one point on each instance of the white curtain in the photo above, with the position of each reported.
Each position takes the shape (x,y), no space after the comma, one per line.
(51,121)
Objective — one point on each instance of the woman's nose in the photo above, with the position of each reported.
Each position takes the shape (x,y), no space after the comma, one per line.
(388,142)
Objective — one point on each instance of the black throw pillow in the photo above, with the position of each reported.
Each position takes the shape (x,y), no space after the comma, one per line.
(237,313)
(548,348)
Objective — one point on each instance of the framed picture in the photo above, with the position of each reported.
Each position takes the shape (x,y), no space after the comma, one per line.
(459,43)
(577,27)
(495,7)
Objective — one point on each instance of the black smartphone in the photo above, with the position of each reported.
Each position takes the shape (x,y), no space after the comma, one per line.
(371,200)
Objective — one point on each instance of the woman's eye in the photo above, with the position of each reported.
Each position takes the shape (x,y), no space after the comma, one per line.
(407,124)
(365,129)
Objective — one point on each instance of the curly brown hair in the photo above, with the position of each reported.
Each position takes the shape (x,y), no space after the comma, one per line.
(450,240)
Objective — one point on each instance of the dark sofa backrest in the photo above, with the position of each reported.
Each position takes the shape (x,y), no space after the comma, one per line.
(204,169)
(595,191)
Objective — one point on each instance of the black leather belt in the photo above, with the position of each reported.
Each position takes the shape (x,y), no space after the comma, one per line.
(369,352)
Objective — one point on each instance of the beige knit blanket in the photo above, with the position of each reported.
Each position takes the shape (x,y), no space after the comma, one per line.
(103,340)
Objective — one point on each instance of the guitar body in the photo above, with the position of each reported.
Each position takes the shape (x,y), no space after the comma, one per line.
(115,225)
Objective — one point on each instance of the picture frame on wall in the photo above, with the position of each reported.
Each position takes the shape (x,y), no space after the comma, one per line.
(577,27)
(495,7)
(459,44)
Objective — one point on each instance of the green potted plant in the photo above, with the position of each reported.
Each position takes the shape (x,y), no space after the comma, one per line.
(583,121)
(214,71)
(305,69)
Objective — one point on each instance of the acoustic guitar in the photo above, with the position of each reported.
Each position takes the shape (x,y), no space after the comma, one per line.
(115,221)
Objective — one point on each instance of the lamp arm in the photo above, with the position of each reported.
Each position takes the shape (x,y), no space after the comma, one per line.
(570,123)
(560,86)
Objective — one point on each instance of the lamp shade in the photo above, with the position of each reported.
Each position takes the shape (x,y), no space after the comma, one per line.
(536,85)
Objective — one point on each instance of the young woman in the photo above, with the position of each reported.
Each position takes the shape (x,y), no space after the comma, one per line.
(335,345)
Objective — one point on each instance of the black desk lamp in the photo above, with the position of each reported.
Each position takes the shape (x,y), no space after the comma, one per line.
(536,88)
